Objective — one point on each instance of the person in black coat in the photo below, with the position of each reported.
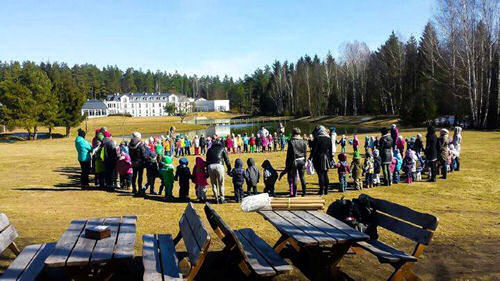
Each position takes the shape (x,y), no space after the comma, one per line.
(238,175)
(321,155)
(431,151)
(183,176)
(386,144)
(137,152)
(295,162)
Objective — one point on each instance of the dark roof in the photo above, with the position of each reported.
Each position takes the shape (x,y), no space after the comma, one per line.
(94,104)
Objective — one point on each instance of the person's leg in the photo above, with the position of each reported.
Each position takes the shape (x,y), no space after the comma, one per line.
(84,176)
(213,181)
(292,182)
(457,160)
(220,180)
(444,168)
(301,169)
(433,170)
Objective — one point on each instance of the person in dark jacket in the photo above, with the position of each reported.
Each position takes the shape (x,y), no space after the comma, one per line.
(321,155)
(377,166)
(418,145)
(431,151)
(216,155)
(203,144)
(252,177)
(238,175)
(270,177)
(443,143)
(386,145)
(152,172)
(183,176)
(137,152)
(295,163)
(110,159)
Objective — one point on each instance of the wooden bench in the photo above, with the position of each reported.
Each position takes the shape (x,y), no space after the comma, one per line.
(406,222)
(159,255)
(254,256)
(30,262)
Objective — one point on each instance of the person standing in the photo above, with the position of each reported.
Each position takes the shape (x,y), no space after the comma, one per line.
(321,155)
(203,144)
(295,163)
(443,143)
(394,134)
(333,138)
(386,145)
(431,151)
(216,155)
(83,148)
(457,143)
(110,159)
(137,152)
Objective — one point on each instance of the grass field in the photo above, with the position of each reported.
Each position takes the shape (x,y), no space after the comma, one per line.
(38,194)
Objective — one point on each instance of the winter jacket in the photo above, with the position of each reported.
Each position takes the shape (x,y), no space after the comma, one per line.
(124,165)
(342,167)
(182,174)
(200,174)
(110,154)
(356,169)
(216,154)
(238,173)
(83,148)
(394,133)
(252,173)
(400,144)
(297,149)
(203,141)
(368,165)
(399,161)
(431,146)
(321,153)
(167,170)
(333,138)
(377,162)
(457,138)
(385,147)
(137,152)
(443,143)
(270,174)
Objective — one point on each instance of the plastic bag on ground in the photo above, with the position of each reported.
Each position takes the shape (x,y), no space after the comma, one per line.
(254,203)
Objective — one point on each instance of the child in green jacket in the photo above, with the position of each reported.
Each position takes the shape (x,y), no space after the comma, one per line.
(167,176)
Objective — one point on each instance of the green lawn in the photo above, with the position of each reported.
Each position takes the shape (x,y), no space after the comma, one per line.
(37,194)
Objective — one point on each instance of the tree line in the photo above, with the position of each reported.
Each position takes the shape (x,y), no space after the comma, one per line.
(452,68)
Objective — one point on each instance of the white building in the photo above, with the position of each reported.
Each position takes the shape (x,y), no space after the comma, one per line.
(147,104)
(202,104)
(94,108)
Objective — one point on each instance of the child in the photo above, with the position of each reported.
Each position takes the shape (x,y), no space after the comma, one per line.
(99,167)
(238,175)
(355,143)
(252,176)
(420,167)
(342,141)
(258,143)
(183,175)
(124,147)
(455,157)
(377,165)
(167,174)
(400,143)
(200,177)
(253,143)
(409,166)
(246,142)
(124,168)
(239,141)
(275,142)
(283,142)
(368,169)
(151,172)
(187,146)
(356,171)
(343,170)
(397,165)
(270,177)
(367,144)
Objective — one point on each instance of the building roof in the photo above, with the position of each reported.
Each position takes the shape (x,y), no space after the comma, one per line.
(146,97)
(94,104)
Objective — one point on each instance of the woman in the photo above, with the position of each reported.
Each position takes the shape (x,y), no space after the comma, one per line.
(321,155)
(386,144)
(431,151)
(83,148)
(295,163)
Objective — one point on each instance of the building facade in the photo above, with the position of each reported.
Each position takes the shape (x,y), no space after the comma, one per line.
(203,105)
(94,108)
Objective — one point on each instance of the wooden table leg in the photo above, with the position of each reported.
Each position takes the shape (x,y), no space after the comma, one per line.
(322,262)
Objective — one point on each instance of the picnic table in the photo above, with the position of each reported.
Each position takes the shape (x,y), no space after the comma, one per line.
(99,259)
(320,240)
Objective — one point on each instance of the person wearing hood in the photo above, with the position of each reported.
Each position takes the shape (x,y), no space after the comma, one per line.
(137,151)
(216,155)
(200,176)
(124,168)
(183,176)
(295,163)
(394,134)
(343,170)
(167,175)
(386,145)
(238,175)
(377,166)
(252,176)
(457,143)
(431,152)
(355,143)
(110,159)
(368,168)
(203,144)
(454,155)
(400,143)
(333,138)
(321,155)
(398,162)
(443,143)
(409,165)
(196,145)
(270,177)
(367,144)
(419,144)
(84,149)
(357,171)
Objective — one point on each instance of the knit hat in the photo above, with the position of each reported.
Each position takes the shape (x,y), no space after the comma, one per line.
(136,135)
(183,161)
(356,155)
(167,160)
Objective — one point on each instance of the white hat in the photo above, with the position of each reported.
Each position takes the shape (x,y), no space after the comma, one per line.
(136,135)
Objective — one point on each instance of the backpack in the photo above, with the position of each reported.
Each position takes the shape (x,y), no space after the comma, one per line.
(357,213)
(408,164)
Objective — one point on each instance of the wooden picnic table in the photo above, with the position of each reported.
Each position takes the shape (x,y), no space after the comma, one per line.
(320,240)
(79,255)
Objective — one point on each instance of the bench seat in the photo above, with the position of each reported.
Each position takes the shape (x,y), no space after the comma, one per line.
(160,247)
(29,263)
(384,252)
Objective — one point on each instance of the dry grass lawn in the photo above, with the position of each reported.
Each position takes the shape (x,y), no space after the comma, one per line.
(37,193)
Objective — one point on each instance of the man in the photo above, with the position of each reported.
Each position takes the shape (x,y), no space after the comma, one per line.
(83,148)
(110,159)
(203,144)
(295,162)
(216,155)
(137,152)
(431,152)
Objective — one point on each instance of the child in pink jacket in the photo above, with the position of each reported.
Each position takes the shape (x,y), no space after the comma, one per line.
(124,168)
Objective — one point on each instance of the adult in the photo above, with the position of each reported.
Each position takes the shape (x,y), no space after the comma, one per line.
(457,142)
(110,159)
(83,148)
(443,143)
(216,156)
(295,163)
(386,145)
(137,151)
(203,144)
(321,155)
(333,138)
(418,145)
(394,135)
(431,151)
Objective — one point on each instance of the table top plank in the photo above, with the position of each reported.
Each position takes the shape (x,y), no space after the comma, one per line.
(354,234)
(65,244)
(104,248)
(340,236)
(290,229)
(80,256)
(308,228)
(125,242)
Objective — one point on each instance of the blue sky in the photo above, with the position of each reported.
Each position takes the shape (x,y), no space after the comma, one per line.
(195,36)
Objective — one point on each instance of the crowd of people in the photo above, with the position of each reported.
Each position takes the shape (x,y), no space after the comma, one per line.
(391,155)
